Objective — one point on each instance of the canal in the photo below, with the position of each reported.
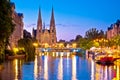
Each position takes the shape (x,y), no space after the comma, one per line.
(58,67)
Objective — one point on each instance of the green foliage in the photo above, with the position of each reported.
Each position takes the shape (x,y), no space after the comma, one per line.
(115,41)
(84,43)
(6,24)
(27,44)
(94,34)
(78,37)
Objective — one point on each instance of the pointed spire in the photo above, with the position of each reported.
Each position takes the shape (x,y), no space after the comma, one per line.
(39,16)
(52,16)
(52,21)
(39,25)
(39,22)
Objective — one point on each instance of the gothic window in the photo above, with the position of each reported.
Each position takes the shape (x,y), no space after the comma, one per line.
(52,30)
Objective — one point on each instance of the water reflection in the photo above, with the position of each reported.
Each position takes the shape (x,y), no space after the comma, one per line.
(35,68)
(46,68)
(92,70)
(74,68)
(60,69)
(57,66)
(12,70)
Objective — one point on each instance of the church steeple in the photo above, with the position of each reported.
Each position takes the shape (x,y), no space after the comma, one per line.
(39,22)
(43,35)
(39,25)
(52,21)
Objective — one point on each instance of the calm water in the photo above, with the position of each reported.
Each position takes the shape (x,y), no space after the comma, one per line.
(58,67)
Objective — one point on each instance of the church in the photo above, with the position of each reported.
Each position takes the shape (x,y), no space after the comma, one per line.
(45,37)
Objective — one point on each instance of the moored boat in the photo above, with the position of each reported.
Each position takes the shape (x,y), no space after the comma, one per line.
(106,60)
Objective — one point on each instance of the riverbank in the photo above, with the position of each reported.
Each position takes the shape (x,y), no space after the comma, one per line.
(15,56)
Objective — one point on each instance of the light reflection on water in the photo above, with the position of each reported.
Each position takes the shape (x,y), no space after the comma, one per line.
(58,67)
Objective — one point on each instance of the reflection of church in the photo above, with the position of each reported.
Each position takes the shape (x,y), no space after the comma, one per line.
(45,37)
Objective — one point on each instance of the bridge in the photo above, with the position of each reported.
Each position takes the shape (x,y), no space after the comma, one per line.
(58,49)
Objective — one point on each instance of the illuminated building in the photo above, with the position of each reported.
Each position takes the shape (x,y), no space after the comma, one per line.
(113,30)
(45,36)
(18,30)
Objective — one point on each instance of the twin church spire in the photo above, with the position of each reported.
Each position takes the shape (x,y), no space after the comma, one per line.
(52,21)
(43,35)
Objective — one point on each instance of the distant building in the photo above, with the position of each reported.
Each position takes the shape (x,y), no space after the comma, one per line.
(113,30)
(18,31)
(26,34)
(45,37)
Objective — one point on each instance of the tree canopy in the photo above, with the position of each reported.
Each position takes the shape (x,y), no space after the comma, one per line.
(94,34)
(6,24)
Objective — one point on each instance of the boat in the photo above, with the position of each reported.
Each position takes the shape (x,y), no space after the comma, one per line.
(106,60)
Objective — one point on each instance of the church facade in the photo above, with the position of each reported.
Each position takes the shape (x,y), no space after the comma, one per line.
(45,37)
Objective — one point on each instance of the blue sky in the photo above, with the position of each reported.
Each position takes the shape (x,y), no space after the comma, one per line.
(72,17)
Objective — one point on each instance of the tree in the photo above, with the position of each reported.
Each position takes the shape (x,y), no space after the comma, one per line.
(94,34)
(27,44)
(78,37)
(6,24)
(84,43)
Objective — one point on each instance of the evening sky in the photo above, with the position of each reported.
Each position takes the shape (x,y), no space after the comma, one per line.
(72,17)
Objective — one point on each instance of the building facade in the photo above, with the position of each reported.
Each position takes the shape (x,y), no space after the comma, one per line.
(45,37)
(18,31)
(113,30)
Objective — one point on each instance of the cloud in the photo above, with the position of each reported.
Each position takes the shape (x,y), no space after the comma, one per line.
(30,25)
(68,25)
(47,25)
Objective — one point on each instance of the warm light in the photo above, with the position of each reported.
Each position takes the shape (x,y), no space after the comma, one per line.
(74,45)
(53,54)
(16,69)
(74,68)
(92,70)
(56,54)
(68,46)
(68,54)
(46,68)
(15,50)
(35,44)
(118,72)
(61,54)
(46,45)
(61,45)
(21,48)
(35,67)
(60,69)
